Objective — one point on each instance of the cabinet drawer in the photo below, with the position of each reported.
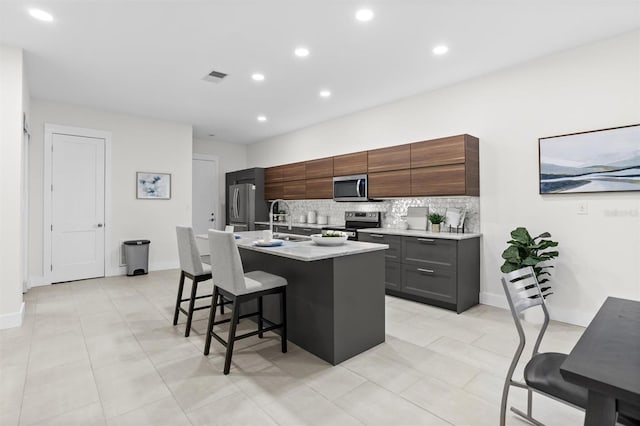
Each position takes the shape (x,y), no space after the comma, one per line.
(261,227)
(423,251)
(394,242)
(304,231)
(436,282)
(393,275)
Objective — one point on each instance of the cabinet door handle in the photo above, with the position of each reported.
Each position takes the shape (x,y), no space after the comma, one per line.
(429,271)
(306,229)
(376,236)
(426,240)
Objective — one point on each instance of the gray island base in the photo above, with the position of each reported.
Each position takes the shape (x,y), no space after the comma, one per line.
(335,295)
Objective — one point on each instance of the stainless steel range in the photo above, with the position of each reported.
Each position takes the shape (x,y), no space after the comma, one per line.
(357,220)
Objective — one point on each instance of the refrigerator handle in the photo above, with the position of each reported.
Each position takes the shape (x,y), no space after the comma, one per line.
(236,195)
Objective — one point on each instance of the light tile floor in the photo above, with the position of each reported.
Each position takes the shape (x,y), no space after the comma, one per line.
(104,352)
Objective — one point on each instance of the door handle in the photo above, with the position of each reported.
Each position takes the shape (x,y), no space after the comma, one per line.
(376,236)
(426,240)
(358,187)
(100,225)
(428,271)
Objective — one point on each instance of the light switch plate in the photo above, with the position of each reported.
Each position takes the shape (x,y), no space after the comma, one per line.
(583,208)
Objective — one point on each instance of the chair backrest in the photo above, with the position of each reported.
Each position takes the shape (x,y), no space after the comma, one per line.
(228,228)
(523,292)
(225,260)
(188,251)
(522,288)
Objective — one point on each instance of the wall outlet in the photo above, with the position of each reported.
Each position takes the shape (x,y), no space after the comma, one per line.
(583,208)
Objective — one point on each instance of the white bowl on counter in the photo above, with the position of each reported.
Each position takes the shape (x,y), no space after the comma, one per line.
(323,240)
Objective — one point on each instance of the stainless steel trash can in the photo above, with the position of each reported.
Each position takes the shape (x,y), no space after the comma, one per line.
(136,252)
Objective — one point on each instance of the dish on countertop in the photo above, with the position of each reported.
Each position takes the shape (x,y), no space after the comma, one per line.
(272,243)
(329,239)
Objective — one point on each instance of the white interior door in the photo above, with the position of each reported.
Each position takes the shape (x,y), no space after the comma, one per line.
(77,207)
(205,196)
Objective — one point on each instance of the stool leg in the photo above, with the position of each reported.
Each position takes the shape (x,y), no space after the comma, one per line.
(232,336)
(180,288)
(283,314)
(192,302)
(212,319)
(221,305)
(260,316)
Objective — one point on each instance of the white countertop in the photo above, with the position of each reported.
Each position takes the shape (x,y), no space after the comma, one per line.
(420,233)
(304,250)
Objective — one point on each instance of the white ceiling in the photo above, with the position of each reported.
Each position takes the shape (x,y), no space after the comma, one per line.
(149,57)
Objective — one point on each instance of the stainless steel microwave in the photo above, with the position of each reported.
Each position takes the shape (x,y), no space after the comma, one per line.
(350,188)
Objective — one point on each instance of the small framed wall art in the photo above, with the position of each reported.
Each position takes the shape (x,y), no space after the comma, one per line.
(605,160)
(153,186)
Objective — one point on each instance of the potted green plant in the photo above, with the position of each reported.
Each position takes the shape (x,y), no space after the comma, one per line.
(525,250)
(436,219)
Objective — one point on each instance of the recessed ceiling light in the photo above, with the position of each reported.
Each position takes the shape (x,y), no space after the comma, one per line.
(364,15)
(262,118)
(325,93)
(258,77)
(301,52)
(41,15)
(440,50)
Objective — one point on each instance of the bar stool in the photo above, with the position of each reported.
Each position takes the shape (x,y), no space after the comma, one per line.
(233,284)
(191,267)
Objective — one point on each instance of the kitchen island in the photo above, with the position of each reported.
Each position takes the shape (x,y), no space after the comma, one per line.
(335,295)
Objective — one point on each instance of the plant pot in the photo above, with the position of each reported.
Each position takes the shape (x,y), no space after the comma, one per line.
(435,227)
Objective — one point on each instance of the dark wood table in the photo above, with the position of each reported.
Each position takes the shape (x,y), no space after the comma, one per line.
(606,361)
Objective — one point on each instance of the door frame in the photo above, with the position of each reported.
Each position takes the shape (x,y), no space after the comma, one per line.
(49,131)
(215,159)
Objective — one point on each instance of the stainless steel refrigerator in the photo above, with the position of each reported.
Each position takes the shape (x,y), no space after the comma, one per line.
(241,206)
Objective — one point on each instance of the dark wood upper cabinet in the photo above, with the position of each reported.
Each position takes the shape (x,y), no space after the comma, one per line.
(320,168)
(294,190)
(396,183)
(438,152)
(350,164)
(321,188)
(445,166)
(294,171)
(273,174)
(392,158)
(273,190)
(439,180)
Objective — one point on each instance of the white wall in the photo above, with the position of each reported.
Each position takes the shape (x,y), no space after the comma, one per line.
(12,89)
(230,156)
(590,87)
(138,144)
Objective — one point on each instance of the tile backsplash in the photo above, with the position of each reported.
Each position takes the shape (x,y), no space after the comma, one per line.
(393,209)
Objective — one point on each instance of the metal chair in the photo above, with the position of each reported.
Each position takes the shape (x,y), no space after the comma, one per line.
(191,267)
(233,284)
(542,372)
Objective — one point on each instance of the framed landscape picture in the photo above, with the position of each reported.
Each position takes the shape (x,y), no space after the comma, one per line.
(597,161)
(153,186)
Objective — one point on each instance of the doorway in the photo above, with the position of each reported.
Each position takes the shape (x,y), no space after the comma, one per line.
(205,211)
(76,204)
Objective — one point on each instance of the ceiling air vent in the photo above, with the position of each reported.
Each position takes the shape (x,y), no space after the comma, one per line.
(215,76)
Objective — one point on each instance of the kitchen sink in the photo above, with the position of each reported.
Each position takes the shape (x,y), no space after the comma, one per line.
(291,237)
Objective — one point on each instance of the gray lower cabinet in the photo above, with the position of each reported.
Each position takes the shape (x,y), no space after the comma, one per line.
(393,267)
(284,229)
(436,271)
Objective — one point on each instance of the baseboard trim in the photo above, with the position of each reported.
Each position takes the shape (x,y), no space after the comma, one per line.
(491,299)
(562,315)
(13,319)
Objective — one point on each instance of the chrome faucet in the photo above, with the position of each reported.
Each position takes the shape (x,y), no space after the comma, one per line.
(271,213)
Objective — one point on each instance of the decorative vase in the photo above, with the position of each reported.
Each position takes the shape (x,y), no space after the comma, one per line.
(435,227)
